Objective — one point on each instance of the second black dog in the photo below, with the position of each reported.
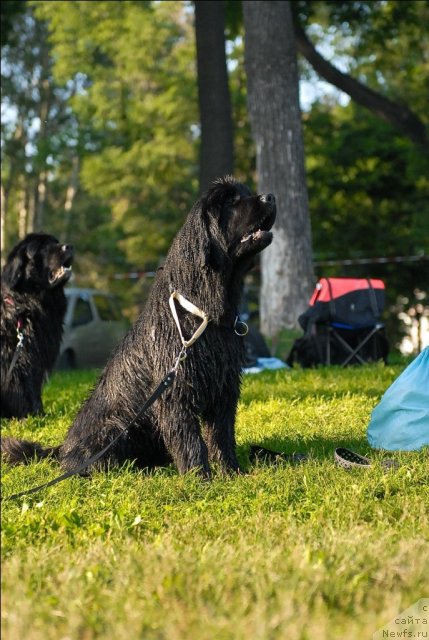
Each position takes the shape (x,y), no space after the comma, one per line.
(33,305)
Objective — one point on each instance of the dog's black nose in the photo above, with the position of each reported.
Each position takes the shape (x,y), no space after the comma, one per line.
(268,198)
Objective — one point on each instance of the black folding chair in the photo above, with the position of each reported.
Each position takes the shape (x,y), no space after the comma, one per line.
(343,323)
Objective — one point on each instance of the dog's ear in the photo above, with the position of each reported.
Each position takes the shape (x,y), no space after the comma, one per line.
(204,231)
(205,251)
(214,252)
(194,243)
(13,272)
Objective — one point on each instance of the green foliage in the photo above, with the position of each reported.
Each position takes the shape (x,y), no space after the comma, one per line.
(382,44)
(135,65)
(369,178)
(9,11)
(308,551)
(40,134)
(122,83)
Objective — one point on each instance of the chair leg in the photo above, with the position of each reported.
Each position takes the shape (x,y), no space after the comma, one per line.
(328,346)
(354,353)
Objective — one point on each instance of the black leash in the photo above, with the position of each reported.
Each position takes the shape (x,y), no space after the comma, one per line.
(18,349)
(163,386)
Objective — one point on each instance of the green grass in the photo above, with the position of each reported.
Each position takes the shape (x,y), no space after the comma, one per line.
(297,552)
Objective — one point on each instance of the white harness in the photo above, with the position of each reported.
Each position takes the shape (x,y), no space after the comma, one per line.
(189,306)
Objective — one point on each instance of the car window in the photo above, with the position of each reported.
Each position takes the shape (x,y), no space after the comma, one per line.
(107,309)
(82,313)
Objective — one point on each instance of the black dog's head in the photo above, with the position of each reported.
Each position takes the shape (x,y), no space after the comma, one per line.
(38,262)
(238,220)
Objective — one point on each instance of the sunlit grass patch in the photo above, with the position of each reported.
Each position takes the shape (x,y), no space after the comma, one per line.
(296,551)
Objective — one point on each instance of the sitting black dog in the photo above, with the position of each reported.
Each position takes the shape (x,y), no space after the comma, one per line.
(191,424)
(33,305)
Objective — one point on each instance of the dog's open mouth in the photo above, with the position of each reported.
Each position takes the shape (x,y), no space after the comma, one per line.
(259,234)
(262,233)
(62,274)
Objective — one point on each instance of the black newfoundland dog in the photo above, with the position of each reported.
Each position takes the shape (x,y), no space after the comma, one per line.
(33,305)
(192,423)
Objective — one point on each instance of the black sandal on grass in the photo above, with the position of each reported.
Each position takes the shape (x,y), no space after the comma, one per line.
(349,460)
(260,454)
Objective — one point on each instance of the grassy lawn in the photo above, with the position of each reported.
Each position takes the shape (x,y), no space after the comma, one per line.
(297,552)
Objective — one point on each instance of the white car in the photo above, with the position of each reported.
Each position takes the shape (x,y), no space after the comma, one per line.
(93,326)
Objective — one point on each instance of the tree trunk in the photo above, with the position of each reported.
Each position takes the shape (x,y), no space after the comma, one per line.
(70,195)
(45,91)
(31,214)
(22,214)
(19,140)
(273,101)
(2,226)
(40,199)
(217,147)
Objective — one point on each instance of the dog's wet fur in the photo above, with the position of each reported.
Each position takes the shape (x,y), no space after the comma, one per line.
(192,424)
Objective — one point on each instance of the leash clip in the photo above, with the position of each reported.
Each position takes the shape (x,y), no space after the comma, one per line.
(180,358)
(19,335)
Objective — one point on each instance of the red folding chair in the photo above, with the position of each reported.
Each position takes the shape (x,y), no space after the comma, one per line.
(343,322)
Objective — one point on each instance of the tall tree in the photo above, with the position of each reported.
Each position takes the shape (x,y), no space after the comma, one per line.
(273,99)
(216,150)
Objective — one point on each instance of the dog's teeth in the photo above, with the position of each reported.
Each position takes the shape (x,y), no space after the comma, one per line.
(255,236)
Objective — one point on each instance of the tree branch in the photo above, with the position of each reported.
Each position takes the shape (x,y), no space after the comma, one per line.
(397,114)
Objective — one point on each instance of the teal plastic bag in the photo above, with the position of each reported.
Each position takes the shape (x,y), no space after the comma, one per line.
(401,419)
